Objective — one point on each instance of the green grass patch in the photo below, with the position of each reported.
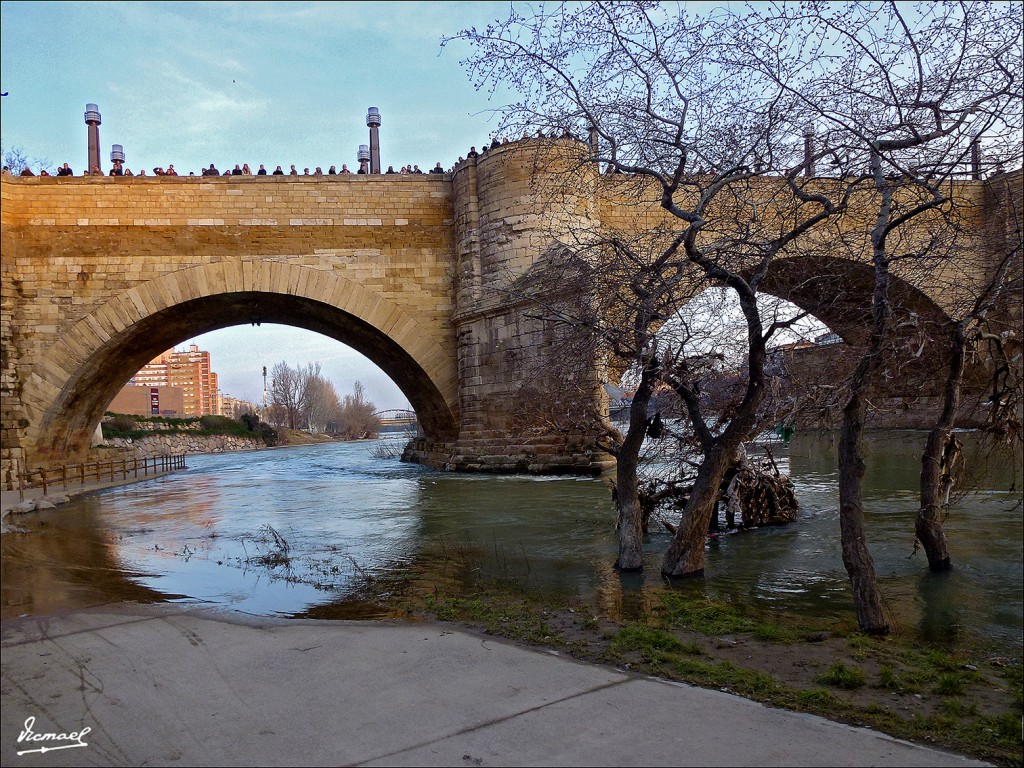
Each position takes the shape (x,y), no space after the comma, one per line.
(645,640)
(842,676)
(959,708)
(815,696)
(706,616)
(950,684)
(942,661)
(721,675)
(519,620)
(775,633)
(887,679)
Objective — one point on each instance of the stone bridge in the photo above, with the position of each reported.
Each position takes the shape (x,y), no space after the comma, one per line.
(100,275)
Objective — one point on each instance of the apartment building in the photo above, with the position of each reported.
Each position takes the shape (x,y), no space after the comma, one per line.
(188,371)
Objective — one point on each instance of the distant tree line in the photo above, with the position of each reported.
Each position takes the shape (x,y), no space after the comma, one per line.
(302,398)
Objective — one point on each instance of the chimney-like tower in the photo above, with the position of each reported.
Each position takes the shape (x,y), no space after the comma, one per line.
(373,121)
(363,156)
(808,150)
(92,119)
(117,153)
(975,156)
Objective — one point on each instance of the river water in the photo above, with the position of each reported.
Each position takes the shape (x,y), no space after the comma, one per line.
(330,531)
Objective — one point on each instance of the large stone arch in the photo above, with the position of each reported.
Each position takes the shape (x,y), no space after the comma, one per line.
(839,292)
(67,393)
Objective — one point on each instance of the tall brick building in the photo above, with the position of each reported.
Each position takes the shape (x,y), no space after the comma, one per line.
(188,371)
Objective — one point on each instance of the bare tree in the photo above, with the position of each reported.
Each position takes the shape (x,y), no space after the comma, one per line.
(698,134)
(704,113)
(276,415)
(356,417)
(976,335)
(17,159)
(321,403)
(918,84)
(289,388)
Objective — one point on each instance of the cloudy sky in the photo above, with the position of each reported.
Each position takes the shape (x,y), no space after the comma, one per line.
(191,84)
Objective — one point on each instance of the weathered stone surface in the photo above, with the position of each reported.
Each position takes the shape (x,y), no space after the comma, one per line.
(173,444)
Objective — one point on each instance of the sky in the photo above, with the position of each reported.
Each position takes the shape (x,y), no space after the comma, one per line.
(191,84)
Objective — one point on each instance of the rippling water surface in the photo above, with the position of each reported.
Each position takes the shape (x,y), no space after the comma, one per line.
(325,530)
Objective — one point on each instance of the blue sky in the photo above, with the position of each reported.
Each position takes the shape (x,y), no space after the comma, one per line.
(191,84)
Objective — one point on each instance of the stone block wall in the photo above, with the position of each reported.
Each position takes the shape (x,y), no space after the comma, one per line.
(174,444)
(102,274)
(513,206)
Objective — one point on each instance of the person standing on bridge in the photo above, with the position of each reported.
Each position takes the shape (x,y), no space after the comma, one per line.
(262,171)
(278,171)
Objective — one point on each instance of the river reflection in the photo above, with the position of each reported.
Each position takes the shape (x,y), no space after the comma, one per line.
(328,530)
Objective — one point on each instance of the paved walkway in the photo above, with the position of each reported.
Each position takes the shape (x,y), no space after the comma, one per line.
(161,685)
(11,500)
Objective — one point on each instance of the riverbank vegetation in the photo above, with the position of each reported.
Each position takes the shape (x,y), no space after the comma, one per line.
(125,426)
(967,699)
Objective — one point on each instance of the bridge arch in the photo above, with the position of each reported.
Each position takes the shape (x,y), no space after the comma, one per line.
(839,292)
(79,374)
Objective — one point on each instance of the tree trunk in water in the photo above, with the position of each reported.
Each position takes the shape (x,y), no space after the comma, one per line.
(929,517)
(631,535)
(685,553)
(936,458)
(859,565)
(630,512)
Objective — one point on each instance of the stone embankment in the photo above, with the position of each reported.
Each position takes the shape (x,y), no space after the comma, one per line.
(177,442)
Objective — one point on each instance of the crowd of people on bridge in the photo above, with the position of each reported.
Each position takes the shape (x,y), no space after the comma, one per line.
(244,169)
